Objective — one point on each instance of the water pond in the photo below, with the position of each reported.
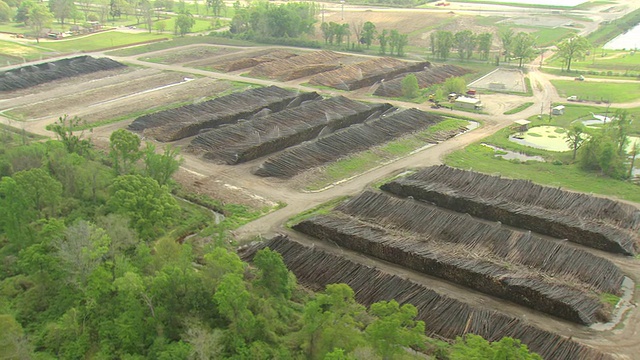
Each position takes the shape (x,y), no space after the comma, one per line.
(549,138)
(512,155)
(629,40)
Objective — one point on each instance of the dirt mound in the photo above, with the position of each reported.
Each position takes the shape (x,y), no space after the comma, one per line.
(32,75)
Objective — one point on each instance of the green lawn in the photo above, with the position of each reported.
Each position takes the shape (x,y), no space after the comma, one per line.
(597,91)
(100,41)
(549,36)
(14,52)
(601,60)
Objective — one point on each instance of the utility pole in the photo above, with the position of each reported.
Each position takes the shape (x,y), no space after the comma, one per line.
(342,3)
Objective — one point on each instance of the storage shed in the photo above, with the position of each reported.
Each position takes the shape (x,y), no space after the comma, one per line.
(468,103)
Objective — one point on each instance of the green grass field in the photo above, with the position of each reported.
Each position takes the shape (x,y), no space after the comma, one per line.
(601,61)
(103,40)
(15,52)
(518,108)
(598,91)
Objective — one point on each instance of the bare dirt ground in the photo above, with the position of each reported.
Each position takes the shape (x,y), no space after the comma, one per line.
(502,79)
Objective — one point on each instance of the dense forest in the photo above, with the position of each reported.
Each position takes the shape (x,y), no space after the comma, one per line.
(92,269)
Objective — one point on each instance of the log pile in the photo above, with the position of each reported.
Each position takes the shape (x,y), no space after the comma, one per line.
(391,125)
(298,66)
(189,120)
(431,75)
(444,316)
(32,75)
(472,253)
(245,61)
(274,132)
(366,73)
(588,220)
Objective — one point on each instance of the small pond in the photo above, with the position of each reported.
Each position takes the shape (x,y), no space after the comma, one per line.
(629,40)
(512,155)
(551,138)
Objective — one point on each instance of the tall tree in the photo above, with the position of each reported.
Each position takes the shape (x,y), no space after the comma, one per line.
(575,137)
(621,128)
(506,37)
(184,23)
(444,43)
(357,27)
(150,206)
(273,274)
(161,166)
(327,32)
(410,86)
(465,43)
(523,47)
(572,48)
(395,328)
(15,212)
(75,143)
(39,18)
(484,44)
(383,39)
(125,150)
(5,12)
(62,9)
(368,33)
(40,188)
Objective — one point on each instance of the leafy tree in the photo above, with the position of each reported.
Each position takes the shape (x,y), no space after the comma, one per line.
(40,189)
(160,26)
(5,12)
(39,17)
(465,43)
(444,43)
(571,48)
(125,150)
(150,206)
(220,262)
(475,347)
(368,33)
(82,250)
(395,328)
(22,14)
(161,167)
(454,85)
(523,47)
(184,23)
(273,274)
(340,32)
(506,37)
(13,344)
(484,44)
(233,299)
(600,153)
(205,343)
(333,320)
(75,143)
(62,9)
(410,86)
(327,32)
(575,137)
(621,128)
(398,41)
(383,39)
(15,211)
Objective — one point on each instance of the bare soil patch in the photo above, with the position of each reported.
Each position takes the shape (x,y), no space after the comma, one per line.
(129,85)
